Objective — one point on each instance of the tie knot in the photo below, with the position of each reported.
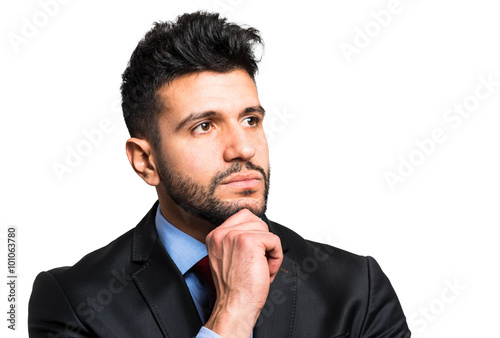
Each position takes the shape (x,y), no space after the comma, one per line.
(203,268)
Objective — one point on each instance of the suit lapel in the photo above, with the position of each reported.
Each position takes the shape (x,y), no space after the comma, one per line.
(277,318)
(164,290)
(161,284)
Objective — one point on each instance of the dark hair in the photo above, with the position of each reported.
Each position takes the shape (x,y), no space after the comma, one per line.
(196,42)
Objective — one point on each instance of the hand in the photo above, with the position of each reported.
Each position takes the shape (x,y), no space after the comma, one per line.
(245,257)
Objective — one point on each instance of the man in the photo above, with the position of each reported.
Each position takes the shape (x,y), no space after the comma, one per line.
(190,103)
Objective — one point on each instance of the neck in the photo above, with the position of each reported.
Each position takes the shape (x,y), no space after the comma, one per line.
(183,220)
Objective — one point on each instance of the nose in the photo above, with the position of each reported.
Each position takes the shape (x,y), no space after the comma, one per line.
(238,145)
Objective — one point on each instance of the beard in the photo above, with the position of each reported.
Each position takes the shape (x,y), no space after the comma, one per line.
(200,200)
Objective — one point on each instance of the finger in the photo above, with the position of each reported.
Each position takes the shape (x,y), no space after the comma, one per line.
(254,240)
(272,250)
(253,226)
(243,220)
(242,216)
(274,255)
(274,259)
(274,264)
(218,235)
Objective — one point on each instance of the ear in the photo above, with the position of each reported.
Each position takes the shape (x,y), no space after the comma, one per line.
(140,156)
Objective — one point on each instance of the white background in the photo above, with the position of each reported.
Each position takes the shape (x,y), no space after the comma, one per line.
(338,127)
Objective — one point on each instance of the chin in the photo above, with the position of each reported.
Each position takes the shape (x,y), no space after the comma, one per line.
(257,206)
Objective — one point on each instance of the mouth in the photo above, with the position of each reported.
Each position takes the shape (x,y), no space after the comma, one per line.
(243,180)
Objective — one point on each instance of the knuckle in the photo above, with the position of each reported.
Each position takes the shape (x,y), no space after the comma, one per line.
(209,237)
(277,240)
(244,240)
(263,226)
(217,236)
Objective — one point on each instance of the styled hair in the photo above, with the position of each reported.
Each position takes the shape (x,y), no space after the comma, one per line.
(195,42)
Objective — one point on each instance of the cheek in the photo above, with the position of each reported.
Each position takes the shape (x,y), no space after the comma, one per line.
(262,152)
(198,162)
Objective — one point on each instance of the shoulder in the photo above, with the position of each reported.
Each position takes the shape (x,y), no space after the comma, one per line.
(99,282)
(122,256)
(322,264)
(93,271)
(76,292)
(297,248)
(335,283)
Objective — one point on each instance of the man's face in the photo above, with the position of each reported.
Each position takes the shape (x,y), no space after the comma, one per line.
(213,159)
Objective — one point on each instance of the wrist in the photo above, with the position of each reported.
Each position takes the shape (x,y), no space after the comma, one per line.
(232,321)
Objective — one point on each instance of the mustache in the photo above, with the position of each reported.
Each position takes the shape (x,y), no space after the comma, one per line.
(237,167)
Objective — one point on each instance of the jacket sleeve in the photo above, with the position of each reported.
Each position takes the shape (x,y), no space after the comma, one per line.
(384,315)
(50,314)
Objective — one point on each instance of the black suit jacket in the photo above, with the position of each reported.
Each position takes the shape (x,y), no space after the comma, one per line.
(132,288)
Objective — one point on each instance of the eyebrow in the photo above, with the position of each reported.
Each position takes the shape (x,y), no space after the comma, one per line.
(211,113)
(196,116)
(254,109)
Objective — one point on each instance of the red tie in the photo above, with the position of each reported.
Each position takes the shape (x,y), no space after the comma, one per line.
(202,268)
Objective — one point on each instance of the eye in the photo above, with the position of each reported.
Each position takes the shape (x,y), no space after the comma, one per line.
(252,121)
(202,128)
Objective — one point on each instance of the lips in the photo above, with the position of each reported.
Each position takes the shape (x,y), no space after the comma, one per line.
(243,180)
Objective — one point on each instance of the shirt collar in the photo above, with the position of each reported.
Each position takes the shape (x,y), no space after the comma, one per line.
(184,250)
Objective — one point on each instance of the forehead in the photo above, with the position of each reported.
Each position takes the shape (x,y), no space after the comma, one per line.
(208,91)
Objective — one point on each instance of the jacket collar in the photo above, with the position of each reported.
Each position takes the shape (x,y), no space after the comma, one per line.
(144,236)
